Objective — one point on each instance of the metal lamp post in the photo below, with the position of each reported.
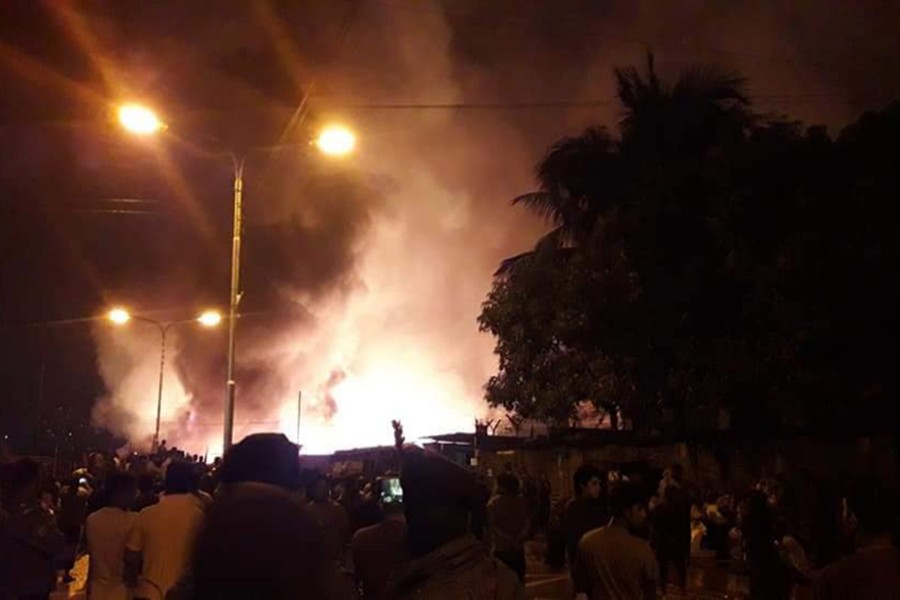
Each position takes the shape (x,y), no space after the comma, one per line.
(120,316)
(333,140)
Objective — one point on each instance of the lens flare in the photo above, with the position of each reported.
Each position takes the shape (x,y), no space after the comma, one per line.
(119,316)
(336,140)
(139,119)
(210,318)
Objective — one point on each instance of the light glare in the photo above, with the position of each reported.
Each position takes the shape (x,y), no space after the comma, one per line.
(139,119)
(210,318)
(336,141)
(119,316)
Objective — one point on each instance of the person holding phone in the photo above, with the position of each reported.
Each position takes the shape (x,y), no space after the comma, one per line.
(379,549)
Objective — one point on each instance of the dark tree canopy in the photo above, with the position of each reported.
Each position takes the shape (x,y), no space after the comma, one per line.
(703,259)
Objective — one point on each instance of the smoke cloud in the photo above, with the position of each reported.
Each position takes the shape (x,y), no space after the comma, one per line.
(363,279)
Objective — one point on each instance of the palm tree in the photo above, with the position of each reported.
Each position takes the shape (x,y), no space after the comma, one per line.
(705,108)
(584,178)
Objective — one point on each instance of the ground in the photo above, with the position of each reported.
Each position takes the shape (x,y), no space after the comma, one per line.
(706,580)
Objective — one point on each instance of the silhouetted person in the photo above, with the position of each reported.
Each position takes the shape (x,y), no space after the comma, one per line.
(448,562)
(262,466)
(769,574)
(258,543)
(378,550)
(73,501)
(611,562)
(331,517)
(672,528)
(107,531)
(263,458)
(31,544)
(509,523)
(585,510)
(146,495)
(873,570)
(158,548)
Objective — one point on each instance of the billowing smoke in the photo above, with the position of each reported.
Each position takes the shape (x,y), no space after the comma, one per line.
(363,279)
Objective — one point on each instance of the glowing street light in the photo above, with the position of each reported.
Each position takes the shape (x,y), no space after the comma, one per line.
(210,318)
(336,140)
(139,119)
(120,316)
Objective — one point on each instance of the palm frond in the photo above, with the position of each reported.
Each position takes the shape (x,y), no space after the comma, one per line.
(712,84)
(508,264)
(544,204)
(556,242)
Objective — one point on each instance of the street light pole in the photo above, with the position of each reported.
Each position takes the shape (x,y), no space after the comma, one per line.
(335,141)
(228,430)
(163,330)
(120,316)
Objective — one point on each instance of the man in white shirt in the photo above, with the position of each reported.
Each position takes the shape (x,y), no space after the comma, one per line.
(107,530)
(159,547)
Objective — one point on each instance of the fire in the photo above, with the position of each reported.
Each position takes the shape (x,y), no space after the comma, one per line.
(391,388)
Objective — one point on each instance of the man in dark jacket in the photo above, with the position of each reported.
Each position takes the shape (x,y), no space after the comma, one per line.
(31,544)
(586,510)
(448,561)
(672,528)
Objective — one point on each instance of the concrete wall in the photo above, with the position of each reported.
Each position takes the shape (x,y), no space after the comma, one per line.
(725,465)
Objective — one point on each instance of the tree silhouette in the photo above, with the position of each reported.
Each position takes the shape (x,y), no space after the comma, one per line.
(704,258)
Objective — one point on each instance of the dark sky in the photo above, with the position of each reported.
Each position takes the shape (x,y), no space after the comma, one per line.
(390,249)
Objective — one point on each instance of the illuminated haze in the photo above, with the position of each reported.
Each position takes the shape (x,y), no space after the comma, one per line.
(363,278)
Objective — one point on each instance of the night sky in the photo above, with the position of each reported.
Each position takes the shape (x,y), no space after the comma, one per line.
(453,102)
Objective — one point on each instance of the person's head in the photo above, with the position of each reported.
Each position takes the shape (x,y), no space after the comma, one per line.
(628,503)
(120,490)
(587,482)
(145,483)
(180,478)
(263,458)
(257,541)
(24,478)
(676,473)
(307,477)
(507,483)
(872,505)
(440,499)
(318,488)
(49,492)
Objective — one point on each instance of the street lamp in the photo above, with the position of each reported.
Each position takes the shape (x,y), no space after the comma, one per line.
(210,318)
(139,119)
(120,316)
(334,140)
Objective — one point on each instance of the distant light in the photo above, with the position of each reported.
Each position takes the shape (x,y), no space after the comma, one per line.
(119,316)
(336,140)
(139,119)
(210,318)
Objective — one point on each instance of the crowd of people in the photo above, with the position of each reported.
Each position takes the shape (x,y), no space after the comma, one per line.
(258,525)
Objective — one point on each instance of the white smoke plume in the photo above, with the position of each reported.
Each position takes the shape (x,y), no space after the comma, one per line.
(379,285)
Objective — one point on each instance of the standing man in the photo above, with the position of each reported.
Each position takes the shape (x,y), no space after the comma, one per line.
(448,561)
(585,511)
(612,563)
(107,531)
(380,549)
(331,517)
(873,571)
(508,524)
(159,547)
(672,528)
(31,545)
